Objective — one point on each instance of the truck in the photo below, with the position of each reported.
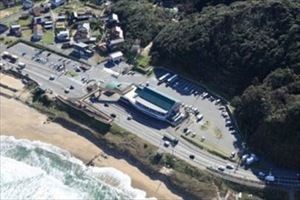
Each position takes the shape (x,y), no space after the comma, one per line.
(174,141)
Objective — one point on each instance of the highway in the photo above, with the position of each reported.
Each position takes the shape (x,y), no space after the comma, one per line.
(184,149)
(151,130)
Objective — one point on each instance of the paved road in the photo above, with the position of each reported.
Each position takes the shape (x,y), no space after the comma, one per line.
(154,130)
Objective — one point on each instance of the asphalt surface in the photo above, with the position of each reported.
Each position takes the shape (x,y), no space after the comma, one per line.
(141,125)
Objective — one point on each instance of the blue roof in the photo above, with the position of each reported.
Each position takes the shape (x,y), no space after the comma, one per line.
(157,98)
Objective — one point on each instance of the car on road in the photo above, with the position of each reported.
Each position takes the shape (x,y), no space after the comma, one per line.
(71,87)
(221,168)
(67,90)
(192,157)
(52,77)
(167,143)
(105,105)
(113,115)
(229,166)
(129,117)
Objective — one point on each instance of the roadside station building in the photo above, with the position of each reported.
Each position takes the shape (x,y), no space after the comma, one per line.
(152,102)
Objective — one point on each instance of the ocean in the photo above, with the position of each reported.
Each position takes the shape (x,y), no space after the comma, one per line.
(35,170)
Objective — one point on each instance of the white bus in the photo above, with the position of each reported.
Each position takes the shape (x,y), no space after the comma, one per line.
(162,78)
(172,79)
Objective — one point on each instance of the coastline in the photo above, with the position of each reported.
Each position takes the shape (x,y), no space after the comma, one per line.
(33,125)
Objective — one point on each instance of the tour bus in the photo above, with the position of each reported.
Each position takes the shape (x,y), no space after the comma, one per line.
(174,141)
(163,78)
(172,79)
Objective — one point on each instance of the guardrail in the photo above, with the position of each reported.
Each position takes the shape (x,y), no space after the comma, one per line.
(279,182)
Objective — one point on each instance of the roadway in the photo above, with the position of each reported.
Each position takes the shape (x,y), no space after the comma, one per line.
(145,127)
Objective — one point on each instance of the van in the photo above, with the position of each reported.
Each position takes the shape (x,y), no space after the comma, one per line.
(21,65)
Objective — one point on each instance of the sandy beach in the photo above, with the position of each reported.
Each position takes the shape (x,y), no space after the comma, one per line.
(21,121)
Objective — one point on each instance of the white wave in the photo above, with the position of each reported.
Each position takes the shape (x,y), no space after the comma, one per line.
(55,173)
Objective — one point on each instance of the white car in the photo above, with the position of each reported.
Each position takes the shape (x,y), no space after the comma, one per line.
(167,143)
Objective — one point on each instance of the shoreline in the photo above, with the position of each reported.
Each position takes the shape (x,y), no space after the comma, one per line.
(33,125)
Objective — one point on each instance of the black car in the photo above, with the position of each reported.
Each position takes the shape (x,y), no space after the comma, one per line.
(105,104)
(192,157)
(113,115)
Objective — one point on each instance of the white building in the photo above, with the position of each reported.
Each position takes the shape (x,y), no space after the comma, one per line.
(116,56)
(153,103)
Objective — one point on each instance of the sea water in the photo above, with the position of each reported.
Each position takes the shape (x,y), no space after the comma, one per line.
(35,170)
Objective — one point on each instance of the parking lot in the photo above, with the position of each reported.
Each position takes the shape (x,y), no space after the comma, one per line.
(212,131)
(69,78)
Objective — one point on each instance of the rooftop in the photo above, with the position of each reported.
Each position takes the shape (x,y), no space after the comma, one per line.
(156,98)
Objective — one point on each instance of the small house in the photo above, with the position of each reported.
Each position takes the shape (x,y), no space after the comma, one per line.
(116,56)
(37,32)
(83,32)
(63,36)
(36,11)
(15,30)
(117,32)
(113,19)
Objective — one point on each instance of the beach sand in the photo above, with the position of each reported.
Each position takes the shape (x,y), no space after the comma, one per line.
(21,121)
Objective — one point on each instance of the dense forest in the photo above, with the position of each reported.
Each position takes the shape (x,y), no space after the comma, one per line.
(234,47)
(269,115)
(228,46)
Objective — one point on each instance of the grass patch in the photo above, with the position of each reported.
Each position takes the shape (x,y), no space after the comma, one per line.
(48,38)
(7,40)
(218,133)
(209,148)
(9,11)
(205,126)
(143,61)
(25,22)
(26,34)
(71,73)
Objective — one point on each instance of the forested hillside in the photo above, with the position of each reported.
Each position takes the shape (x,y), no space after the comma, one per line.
(140,19)
(269,115)
(233,46)
(228,46)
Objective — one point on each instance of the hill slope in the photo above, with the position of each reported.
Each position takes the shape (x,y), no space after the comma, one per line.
(228,46)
